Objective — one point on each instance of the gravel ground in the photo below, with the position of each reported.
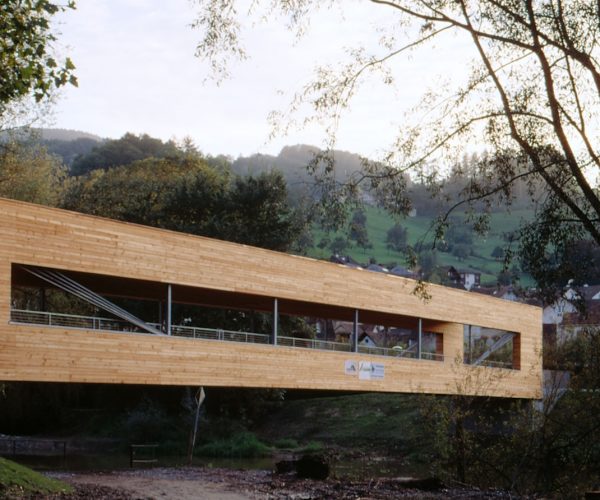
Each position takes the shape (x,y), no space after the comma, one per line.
(223,484)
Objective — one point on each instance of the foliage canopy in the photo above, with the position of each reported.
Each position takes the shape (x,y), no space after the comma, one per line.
(532,97)
(29,67)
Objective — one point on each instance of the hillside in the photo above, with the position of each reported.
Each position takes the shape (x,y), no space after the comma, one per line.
(418,230)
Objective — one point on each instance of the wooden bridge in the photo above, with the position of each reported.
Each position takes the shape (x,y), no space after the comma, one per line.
(96,259)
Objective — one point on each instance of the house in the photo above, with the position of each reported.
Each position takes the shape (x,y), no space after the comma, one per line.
(452,275)
(377,268)
(343,330)
(469,279)
(573,323)
(571,302)
(553,314)
(500,292)
(366,340)
(345,260)
(567,316)
(403,272)
(464,277)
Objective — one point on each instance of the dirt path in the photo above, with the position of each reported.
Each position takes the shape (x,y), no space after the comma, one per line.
(167,484)
(223,484)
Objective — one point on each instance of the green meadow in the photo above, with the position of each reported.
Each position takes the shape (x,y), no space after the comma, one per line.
(420,232)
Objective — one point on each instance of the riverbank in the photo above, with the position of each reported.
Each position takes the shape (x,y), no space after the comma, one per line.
(223,484)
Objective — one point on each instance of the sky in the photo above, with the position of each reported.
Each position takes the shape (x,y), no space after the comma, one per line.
(137,73)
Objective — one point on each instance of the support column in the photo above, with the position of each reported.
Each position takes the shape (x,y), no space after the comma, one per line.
(470,353)
(43,298)
(355,332)
(169,308)
(420,339)
(275,322)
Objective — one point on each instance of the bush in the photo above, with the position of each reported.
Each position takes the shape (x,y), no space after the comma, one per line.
(242,445)
(286,443)
(312,447)
(146,423)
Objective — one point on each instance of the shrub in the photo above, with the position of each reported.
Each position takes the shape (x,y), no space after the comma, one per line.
(241,445)
(286,443)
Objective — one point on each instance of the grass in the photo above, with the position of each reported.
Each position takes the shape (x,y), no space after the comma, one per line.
(286,443)
(16,480)
(418,228)
(241,445)
(386,422)
(291,444)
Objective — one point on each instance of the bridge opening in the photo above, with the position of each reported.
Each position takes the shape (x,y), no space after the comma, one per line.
(491,347)
(208,314)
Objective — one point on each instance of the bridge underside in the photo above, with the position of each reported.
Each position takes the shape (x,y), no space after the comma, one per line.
(129,264)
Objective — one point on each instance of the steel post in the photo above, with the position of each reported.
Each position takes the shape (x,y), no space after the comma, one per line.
(275,321)
(355,332)
(169,308)
(420,339)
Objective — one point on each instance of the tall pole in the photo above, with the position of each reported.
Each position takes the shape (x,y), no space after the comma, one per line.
(200,397)
(355,332)
(169,308)
(275,321)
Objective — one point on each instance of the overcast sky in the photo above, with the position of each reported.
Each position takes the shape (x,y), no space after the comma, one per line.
(137,73)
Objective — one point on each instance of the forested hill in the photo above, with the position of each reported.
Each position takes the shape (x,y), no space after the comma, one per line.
(62,134)
(292,162)
(65,143)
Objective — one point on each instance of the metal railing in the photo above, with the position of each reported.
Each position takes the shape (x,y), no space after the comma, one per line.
(399,353)
(37,447)
(117,325)
(193,332)
(322,345)
(68,320)
(496,364)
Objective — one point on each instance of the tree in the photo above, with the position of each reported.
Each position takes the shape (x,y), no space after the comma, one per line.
(324,242)
(186,194)
(339,244)
(458,233)
(427,260)
(396,238)
(461,251)
(532,98)
(257,213)
(29,173)
(29,68)
(549,448)
(358,230)
(498,253)
(126,150)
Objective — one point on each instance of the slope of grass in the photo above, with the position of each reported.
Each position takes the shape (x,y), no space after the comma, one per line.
(385,422)
(18,480)
(419,230)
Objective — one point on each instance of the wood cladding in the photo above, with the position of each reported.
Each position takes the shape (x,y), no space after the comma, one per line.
(40,236)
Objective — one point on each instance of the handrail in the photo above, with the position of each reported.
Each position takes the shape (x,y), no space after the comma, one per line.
(323,345)
(99,323)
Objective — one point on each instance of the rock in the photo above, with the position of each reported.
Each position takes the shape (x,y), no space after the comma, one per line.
(426,484)
(313,467)
(285,466)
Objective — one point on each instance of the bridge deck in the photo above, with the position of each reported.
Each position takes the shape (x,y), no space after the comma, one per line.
(128,260)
